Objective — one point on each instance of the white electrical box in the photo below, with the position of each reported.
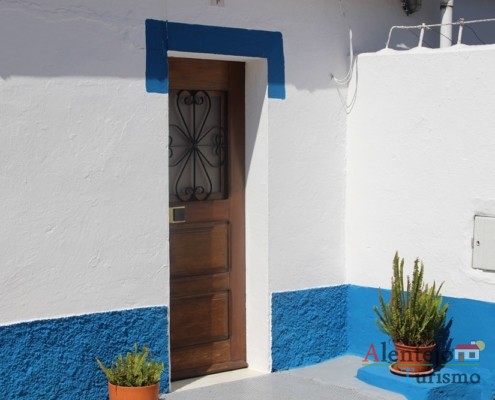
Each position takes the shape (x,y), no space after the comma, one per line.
(484,243)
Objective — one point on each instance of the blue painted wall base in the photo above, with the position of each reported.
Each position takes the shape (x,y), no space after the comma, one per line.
(315,325)
(308,326)
(55,359)
(467,320)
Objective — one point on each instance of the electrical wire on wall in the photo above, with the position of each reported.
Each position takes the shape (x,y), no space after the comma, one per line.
(348,77)
(475,34)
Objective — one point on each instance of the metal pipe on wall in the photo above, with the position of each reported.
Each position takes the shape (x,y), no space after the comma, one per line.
(447,13)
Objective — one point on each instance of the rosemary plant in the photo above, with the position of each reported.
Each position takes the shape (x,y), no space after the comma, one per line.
(136,369)
(415,314)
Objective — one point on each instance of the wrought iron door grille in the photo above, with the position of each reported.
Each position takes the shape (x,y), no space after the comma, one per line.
(197,145)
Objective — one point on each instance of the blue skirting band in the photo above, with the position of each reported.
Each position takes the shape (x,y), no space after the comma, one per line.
(314,325)
(55,359)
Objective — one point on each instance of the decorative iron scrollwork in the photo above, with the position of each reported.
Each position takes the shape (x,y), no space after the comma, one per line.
(197,145)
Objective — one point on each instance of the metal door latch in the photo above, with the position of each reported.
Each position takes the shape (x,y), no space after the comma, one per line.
(177,215)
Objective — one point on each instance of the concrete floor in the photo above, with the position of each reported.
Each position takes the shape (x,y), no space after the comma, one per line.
(333,379)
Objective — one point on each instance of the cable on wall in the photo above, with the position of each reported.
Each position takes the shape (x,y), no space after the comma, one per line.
(347,78)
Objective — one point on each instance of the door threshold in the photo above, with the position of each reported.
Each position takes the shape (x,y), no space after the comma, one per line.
(214,379)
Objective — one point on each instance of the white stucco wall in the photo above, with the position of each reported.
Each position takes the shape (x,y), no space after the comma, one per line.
(420,165)
(304,221)
(83,157)
(83,198)
(83,150)
(83,171)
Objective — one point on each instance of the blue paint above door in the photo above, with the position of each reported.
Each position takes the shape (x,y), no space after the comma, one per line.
(162,36)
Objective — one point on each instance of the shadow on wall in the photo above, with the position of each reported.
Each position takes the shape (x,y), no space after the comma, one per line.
(60,38)
(474,34)
(483,33)
(90,38)
(371,24)
(70,40)
(444,340)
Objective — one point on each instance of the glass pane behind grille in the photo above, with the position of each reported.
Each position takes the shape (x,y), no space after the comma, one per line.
(197,145)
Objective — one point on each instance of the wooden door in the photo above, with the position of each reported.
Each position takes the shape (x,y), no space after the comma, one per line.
(207,239)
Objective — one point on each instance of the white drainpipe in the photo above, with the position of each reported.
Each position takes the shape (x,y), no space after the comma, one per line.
(447,12)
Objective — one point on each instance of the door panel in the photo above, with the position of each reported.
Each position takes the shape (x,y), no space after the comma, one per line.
(192,285)
(210,244)
(188,358)
(210,324)
(207,249)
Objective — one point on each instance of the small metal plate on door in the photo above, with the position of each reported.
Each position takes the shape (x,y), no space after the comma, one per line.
(177,215)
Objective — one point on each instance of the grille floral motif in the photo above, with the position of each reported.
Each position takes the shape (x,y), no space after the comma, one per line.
(196,147)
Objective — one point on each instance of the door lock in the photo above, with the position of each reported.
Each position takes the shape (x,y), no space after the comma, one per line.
(177,215)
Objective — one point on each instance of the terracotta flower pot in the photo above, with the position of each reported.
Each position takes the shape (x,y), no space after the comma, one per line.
(412,360)
(133,393)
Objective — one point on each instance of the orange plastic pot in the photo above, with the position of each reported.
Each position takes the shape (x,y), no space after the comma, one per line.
(412,360)
(133,393)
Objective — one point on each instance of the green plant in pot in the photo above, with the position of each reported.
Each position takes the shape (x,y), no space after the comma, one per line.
(135,376)
(413,318)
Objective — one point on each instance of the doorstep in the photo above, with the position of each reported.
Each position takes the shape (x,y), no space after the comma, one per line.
(215,379)
(330,380)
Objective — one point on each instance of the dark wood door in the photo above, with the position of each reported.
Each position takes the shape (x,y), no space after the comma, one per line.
(207,239)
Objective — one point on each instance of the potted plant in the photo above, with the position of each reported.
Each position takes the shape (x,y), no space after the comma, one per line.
(413,318)
(133,377)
